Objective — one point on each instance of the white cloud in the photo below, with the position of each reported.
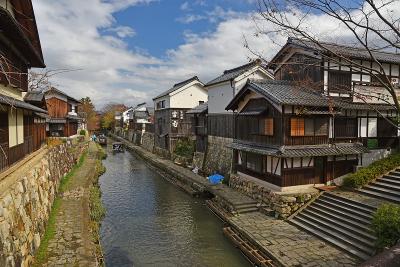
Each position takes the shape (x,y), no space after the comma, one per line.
(185,6)
(189,18)
(123,31)
(70,32)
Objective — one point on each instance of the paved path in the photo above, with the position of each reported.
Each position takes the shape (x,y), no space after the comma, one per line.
(72,244)
(287,244)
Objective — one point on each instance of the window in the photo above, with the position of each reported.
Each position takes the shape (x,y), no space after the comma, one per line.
(321,126)
(161,104)
(254,162)
(368,127)
(301,127)
(297,127)
(339,81)
(266,126)
(345,127)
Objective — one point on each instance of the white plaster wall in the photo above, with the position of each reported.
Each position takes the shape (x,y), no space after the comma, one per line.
(167,102)
(189,96)
(373,155)
(221,94)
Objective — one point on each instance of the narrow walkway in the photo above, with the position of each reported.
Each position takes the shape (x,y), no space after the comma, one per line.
(72,244)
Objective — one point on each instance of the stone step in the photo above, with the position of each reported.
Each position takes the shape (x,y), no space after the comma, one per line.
(348,204)
(362,232)
(338,236)
(351,222)
(387,186)
(396,172)
(330,239)
(393,193)
(358,203)
(342,213)
(246,210)
(392,177)
(357,213)
(389,181)
(379,195)
(245,205)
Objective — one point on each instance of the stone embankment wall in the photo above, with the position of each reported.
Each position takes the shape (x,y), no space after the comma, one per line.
(26,202)
(218,156)
(282,204)
(148,141)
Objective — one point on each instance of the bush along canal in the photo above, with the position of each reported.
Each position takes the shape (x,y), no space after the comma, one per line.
(151,222)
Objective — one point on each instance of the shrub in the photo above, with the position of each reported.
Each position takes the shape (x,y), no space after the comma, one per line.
(372,172)
(184,148)
(82,132)
(386,225)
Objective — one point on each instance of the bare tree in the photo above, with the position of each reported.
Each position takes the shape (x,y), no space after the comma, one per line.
(372,25)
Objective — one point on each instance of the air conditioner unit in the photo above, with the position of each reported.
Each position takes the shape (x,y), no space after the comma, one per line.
(395,80)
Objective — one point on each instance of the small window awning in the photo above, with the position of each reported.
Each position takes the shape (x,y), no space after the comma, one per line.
(253,112)
(10,101)
(56,120)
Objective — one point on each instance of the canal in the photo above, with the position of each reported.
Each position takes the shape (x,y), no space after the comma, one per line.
(150,222)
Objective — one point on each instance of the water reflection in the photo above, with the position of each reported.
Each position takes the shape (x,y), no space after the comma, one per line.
(150,222)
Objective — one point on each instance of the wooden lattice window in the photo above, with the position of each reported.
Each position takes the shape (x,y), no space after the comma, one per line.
(267,126)
(297,127)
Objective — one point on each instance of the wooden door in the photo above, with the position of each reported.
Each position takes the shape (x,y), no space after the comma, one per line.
(320,169)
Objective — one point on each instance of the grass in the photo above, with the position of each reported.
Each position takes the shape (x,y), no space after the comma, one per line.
(50,231)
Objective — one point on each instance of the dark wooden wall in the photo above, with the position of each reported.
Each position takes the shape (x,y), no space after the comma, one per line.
(222,125)
(56,107)
(248,126)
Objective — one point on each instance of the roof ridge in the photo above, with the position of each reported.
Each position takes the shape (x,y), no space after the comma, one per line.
(186,81)
(290,40)
(257,61)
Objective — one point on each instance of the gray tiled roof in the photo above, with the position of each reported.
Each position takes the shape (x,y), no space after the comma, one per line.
(347,51)
(53,89)
(203,107)
(177,86)
(34,96)
(234,73)
(291,93)
(300,151)
(10,101)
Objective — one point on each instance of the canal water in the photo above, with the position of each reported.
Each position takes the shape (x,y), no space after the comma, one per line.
(150,222)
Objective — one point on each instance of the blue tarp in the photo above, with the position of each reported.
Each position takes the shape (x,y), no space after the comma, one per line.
(216,178)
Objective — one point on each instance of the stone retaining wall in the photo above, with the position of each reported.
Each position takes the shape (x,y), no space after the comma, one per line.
(148,141)
(218,157)
(26,204)
(283,204)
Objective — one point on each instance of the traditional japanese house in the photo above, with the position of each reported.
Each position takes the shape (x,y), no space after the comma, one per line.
(141,119)
(170,119)
(221,91)
(63,111)
(198,116)
(20,50)
(306,129)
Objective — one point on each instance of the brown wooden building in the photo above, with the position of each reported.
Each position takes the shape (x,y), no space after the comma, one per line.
(291,133)
(198,117)
(21,123)
(170,120)
(63,111)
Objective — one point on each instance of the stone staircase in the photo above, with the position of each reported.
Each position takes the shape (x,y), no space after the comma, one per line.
(340,221)
(386,188)
(241,208)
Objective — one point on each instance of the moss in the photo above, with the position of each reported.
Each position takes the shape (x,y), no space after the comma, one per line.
(372,172)
(49,234)
(184,147)
(386,225)
(50,231)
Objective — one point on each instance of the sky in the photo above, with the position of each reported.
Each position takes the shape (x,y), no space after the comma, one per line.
(128,51)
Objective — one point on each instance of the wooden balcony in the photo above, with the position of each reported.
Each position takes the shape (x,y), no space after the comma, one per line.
(306,140)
